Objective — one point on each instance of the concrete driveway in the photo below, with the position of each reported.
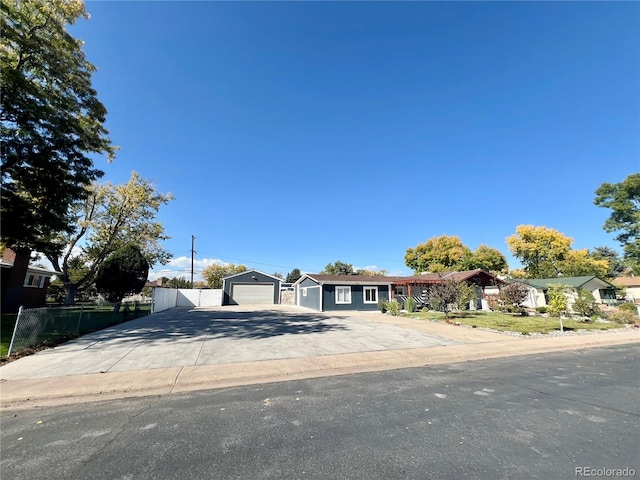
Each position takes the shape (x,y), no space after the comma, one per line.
(183,337)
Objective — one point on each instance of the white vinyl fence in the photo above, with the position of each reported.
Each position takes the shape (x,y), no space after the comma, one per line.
(165,298)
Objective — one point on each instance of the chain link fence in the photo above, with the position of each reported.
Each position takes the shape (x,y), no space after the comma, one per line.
(52,325)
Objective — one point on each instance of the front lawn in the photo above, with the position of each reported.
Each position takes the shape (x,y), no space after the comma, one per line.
(510,323)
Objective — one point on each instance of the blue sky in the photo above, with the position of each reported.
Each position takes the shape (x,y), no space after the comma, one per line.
(294,134)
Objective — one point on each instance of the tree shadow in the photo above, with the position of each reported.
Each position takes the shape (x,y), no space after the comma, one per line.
(186,324)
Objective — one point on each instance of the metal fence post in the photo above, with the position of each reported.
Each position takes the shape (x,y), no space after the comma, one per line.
(15,328)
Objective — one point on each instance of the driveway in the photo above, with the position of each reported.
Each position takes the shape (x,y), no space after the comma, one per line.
(183,337)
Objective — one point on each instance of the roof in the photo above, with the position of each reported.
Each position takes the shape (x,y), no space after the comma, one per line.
(249,271)
(575,282)
(349,279)
(626,281)
(432,278)
(33,269)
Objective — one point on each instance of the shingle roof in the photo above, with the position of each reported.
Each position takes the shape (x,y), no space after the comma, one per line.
(626,281)
(351,279)
(575,282)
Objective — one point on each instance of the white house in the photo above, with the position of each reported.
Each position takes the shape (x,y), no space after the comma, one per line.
(603,291)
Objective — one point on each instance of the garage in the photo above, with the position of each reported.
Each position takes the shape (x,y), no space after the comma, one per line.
(251,294)
(252,287)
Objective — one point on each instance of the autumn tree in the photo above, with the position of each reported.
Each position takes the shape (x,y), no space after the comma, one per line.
(123,273)
(438,254)
(371,273)
(578,263)
(293,276)
(214,273)
(623,199)
(51,122)
(111,217)
(485,258)
(558,304)
(540,249)
(338,268)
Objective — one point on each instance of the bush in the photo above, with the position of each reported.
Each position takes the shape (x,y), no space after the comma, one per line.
(393,307)
(410,305)
(383,305)
(585,305)
(623,317)
(628,307)
(541,309)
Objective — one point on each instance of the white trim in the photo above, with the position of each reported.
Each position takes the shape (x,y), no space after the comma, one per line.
(304,291)
(252,270)
(364,295)
(41,279)
(343,287)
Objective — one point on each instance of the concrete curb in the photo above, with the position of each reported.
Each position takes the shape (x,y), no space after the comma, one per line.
(73,389)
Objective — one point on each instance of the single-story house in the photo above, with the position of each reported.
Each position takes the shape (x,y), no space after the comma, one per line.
(23,284)
(251,287)
(416,286)
(603,291)
(341,292)
(631,287)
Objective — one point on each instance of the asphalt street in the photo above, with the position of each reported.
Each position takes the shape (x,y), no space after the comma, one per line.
(533,417)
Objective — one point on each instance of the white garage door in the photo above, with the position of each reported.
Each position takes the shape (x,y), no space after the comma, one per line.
(252,294)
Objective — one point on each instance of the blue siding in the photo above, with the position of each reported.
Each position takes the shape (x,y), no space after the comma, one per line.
(247,277)
(357,297)
(312,299)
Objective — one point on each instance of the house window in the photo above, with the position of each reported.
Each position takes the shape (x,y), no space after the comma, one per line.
(343,295)
(304,292)
(370,294)
(35,281)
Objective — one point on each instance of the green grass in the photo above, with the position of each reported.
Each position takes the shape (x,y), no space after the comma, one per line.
(510,323)
(7,322)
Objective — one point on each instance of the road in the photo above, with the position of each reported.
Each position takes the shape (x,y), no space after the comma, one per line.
(524,417)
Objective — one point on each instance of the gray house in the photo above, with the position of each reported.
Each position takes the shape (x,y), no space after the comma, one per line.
(251,287)
(341,292)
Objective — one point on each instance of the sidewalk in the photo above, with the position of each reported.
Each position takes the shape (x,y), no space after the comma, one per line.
(50,391)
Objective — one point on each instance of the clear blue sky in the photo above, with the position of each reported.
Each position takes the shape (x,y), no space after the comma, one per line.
(294,134)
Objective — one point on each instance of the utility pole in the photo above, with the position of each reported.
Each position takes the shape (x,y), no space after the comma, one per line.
(193,239)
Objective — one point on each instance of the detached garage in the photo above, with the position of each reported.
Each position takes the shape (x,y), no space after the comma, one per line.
(251,288)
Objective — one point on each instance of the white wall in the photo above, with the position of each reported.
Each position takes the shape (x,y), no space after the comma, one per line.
(165,298)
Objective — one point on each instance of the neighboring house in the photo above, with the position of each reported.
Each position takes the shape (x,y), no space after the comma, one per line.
(603,291)
(251,287)
(341,292)
(631,287)
(23,284)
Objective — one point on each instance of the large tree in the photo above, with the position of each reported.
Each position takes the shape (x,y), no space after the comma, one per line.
(437,254)
(447,253)
(214,273)
(111,217)
(486,258)
(293,275)
(578,263)
(51,121)
(624,201)
(540,249)
(123,273)
(338,268)
(616,265)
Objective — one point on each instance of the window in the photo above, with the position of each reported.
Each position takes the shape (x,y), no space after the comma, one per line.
(370,294)
(343,295)
(304,292)
(36,281)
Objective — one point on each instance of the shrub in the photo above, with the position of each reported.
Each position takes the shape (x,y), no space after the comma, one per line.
(410,305)
(394,308)
(383,305)
(628,307)
(623,317)
(585,304)
(541,309)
